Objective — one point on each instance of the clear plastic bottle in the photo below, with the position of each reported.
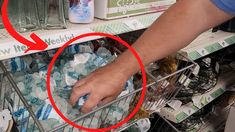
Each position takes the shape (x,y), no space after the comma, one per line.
(81,11)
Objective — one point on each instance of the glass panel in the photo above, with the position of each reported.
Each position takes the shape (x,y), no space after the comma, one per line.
(27,16)
(41,10)
(54,14)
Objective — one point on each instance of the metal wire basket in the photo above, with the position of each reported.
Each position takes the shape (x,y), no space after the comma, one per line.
(160,90)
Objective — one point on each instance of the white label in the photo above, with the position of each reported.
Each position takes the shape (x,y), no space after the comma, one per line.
(208,99)
(187,82)
(10,48)
(165,84)
(203,52)
(196,70)
(134,24)
(175,104)
(188,110)
(182,78)
(197,101)
(223,43)
(5,117)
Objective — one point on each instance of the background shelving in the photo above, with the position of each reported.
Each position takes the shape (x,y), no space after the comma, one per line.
(56,38)
(205,44)
(190,108)
(208,43)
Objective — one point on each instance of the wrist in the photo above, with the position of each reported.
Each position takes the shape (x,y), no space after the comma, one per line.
(125,67)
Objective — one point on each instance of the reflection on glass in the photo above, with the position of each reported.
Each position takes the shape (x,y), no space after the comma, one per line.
(27,18)
(54,14)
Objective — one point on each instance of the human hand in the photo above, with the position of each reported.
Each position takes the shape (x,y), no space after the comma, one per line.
(103,86)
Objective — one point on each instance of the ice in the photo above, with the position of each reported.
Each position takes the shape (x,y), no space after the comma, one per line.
(64,75)
(49,124)
(71,77)
(37,92)
(21,86)
(82,69)
(81,58)
(104,53)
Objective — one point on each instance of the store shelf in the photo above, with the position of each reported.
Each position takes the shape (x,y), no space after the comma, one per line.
(187,110)
(208,43)
(56,38)
(215,121)
(205,44)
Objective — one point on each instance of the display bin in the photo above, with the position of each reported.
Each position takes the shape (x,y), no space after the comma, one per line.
(160,90)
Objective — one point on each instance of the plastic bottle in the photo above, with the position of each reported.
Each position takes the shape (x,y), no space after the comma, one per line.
(81,11)
(15,64)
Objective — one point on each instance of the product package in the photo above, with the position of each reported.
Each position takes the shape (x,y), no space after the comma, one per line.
(111,9)
(81,11)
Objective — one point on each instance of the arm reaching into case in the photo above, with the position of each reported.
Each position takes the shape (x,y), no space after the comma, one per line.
(175,29)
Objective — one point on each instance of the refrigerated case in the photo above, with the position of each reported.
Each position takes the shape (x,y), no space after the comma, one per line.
(157,108)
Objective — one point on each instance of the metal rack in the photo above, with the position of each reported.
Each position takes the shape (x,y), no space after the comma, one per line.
(159,92)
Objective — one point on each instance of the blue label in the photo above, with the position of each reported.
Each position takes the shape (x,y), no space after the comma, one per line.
(47,112)
(14,66)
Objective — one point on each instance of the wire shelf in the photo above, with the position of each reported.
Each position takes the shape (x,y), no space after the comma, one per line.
(162,87)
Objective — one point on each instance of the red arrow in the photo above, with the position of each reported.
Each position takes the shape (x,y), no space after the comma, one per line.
(38,43)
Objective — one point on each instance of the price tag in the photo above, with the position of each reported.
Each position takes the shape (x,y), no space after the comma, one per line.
(208,99)
(175,104)
(182,78)
(203,52)
(187,82)
(223,43)
(197,101)
(188,110)
(134,24)
(196,69)
(164,84)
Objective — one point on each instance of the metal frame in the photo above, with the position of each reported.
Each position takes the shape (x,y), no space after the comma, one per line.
(159,102)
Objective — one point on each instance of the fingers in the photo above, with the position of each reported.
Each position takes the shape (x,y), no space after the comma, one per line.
(107,100)
(92,102)
(78,92)
(80,82)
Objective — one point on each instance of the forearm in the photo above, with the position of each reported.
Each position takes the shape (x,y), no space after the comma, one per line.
(175,29)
